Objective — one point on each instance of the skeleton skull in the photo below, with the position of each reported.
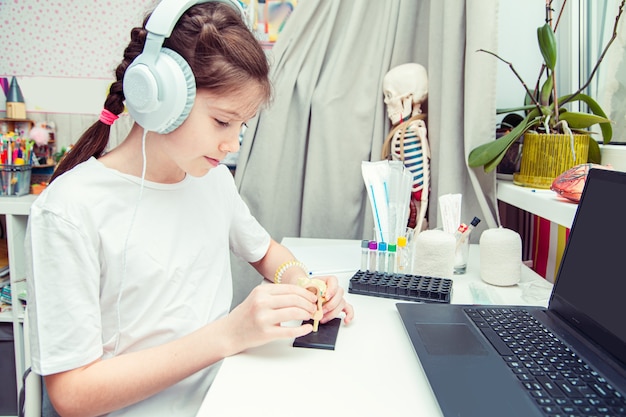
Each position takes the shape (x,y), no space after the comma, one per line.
(405,88)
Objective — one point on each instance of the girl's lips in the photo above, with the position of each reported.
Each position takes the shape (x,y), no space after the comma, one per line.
(212,161)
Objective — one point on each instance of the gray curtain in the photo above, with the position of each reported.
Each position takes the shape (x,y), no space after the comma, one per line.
(299,168)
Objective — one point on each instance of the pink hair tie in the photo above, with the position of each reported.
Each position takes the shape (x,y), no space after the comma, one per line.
(107,117)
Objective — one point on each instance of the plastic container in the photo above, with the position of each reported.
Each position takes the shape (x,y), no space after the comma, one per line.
(546,156)
(14,180)
(41,174)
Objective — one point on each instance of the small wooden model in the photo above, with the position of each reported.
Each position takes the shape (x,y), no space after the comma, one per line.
(317,287)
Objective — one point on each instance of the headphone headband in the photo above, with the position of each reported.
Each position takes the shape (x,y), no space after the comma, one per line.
(158,85)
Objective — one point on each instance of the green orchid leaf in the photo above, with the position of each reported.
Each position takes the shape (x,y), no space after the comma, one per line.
(605,127)
(528,99)
(582,120)
(486,152)
(492,152)
(547,45)
(491,165)
(533,114)
(515,109)
(546,91)
(594,156)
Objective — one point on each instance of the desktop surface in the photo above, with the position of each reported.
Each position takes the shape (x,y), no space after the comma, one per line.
(373,369)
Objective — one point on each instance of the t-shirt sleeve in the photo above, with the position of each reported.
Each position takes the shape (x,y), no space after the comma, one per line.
(248,239)
(63,294)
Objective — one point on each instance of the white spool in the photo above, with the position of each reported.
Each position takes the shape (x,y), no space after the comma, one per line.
(434,254)
(500,256)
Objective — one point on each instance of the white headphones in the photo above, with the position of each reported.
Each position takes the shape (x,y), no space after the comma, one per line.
(159,85)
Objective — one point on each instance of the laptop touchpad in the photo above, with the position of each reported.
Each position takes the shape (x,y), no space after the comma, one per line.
(449,339)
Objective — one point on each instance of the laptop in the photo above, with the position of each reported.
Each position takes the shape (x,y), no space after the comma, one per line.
(478,366)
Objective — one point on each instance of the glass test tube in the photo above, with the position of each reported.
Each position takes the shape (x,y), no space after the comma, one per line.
(364,254)
(391,258)
(400,257)
(373,246)
(382,257)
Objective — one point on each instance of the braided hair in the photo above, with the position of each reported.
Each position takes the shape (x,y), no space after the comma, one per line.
(220,50)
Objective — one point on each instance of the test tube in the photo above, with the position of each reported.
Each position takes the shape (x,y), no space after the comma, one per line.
(373,246)
(364,254)
(400,257)
(391,258)
(382,257)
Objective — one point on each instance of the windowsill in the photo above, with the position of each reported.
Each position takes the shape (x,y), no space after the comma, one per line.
(543,203)
(546,203)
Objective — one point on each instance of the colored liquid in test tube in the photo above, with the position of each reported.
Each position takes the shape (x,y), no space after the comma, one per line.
(382,257)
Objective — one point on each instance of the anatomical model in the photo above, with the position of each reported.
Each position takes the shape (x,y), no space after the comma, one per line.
(405,89)
(317,287)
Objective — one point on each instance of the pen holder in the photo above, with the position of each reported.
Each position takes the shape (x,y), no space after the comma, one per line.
(14,180)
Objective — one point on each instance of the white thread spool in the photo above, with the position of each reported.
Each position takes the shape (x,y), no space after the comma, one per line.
(434,254)
(500,256)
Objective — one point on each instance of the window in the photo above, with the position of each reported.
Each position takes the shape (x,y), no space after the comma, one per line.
(591,23)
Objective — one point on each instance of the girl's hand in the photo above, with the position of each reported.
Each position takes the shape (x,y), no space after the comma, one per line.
(335,302)
(257,320)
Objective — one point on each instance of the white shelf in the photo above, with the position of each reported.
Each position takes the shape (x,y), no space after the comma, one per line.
(16,211)
(17,205)
(6,317)
(543,203)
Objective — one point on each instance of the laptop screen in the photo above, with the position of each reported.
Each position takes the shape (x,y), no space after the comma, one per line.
(590,289)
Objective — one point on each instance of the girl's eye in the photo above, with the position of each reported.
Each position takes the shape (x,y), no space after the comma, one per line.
(222,124)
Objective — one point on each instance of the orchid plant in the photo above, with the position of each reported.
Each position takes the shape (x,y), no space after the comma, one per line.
(544,109)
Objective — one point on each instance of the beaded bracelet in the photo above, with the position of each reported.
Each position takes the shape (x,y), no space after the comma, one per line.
(278,276)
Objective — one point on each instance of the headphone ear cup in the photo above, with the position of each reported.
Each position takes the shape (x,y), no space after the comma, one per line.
(159,97)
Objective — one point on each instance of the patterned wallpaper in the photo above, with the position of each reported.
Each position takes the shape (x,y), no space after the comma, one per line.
(66,38)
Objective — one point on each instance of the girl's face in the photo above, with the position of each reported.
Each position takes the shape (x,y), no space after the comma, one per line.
(212,129)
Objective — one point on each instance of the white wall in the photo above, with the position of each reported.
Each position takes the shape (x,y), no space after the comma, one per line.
(517,26)
(65,60)
(63,52)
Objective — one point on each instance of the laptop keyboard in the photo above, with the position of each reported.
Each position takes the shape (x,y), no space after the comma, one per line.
(560,382)
(401,286)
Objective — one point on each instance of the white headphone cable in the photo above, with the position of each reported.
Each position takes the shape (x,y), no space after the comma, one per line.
(130,228)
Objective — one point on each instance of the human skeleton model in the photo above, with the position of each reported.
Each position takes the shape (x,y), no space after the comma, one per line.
(317,287)
(405,88)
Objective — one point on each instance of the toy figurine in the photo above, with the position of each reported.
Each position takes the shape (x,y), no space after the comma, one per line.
(16,108)
(405,88)
(317,287)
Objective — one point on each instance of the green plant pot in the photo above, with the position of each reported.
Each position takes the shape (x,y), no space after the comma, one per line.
(546,156)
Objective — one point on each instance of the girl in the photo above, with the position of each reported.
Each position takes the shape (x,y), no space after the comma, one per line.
(130,282)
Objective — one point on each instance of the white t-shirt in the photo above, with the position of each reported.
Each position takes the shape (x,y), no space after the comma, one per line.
(106,257)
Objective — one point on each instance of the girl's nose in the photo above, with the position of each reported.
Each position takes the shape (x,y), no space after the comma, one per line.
(231,143)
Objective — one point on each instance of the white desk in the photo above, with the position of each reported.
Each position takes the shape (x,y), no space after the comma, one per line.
(373,370)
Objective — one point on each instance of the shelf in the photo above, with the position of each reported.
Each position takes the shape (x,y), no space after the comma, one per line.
(17,205)
(543,203)
(6,317)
